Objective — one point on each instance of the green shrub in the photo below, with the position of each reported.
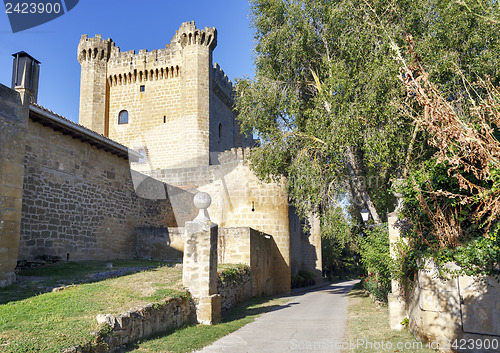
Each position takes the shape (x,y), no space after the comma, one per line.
(234,274)
(376,260)
(476,246)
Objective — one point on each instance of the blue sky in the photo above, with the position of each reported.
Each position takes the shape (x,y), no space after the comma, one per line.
(133,25)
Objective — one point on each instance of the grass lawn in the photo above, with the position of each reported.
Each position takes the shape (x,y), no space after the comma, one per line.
(368,325)
(50,322)
(192,338)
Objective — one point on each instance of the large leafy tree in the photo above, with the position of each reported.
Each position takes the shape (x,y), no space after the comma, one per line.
(326,100)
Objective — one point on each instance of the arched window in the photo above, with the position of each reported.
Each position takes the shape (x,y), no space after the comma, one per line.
(123,117)
(220,130)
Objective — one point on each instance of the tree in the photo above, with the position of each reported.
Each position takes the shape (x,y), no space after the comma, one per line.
(326,100)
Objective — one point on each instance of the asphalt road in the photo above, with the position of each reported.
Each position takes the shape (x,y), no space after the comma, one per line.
(310,322)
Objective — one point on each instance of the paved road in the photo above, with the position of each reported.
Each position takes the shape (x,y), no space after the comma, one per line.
(310,322)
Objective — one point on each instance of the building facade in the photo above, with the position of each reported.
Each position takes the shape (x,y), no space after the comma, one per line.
(155,128)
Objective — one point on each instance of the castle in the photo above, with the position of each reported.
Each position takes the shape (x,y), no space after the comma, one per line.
(154,129)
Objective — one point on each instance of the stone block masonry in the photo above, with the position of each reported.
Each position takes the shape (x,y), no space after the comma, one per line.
(236,292)
(13,124)
(138,323)
(80,202)
(236,245)
(179,105)
(160,243)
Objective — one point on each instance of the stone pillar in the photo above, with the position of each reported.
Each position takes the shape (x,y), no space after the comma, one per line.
(397,306)
(315,242)
(199,273)
(14,111)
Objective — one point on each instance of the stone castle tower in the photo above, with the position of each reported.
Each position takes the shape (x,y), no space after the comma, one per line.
(172,105)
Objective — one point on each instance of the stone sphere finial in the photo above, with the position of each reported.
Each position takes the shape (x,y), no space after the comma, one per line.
(202,200)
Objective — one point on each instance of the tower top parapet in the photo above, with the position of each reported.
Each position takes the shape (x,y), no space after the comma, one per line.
(94,48)
(188,34)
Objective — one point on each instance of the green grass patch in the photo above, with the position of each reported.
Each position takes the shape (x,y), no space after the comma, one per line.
(191,338)
(35,281)
(370,322)
(52,321)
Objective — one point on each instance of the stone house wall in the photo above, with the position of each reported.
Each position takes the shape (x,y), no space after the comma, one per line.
(13,124)
(80,202)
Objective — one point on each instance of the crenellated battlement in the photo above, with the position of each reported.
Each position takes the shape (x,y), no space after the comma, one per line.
(188,34)
(234,154)
(94,48)
(153,57)
(222,80)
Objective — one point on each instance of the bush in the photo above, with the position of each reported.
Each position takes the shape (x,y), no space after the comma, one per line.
(234,275)
(303,279)
(379,289)
(376,260)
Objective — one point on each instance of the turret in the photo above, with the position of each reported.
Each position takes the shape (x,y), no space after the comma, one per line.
(93,55)
(197,47)
(188,34)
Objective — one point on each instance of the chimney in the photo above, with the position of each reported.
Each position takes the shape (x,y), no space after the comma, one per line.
(25,74)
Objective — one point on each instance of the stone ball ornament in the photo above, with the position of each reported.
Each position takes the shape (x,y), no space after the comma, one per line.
(202,200)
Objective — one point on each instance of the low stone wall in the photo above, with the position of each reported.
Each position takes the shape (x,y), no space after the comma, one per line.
(460,310)
(235,291)
(243,245)
(138,323)
(169,314)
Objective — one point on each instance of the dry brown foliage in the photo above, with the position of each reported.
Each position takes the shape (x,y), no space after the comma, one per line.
(463,133)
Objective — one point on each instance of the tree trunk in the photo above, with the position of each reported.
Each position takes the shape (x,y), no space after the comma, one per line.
(358,187)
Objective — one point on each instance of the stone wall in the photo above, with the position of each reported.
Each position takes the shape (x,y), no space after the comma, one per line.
(81,202)
(160,243)
(164,316)
(240,199)
(447,311)
(139,323)
(235,292)
(243,245)
(305,247)
(224,128)
(236,245)
(13,120)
